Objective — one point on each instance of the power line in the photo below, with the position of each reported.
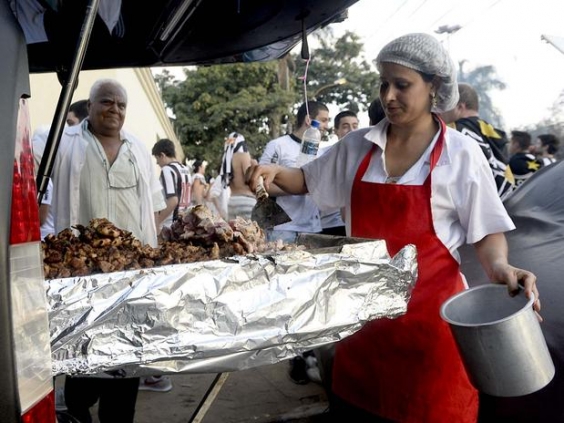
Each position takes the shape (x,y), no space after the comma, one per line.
(388,19)
(473,18)
(417,9)
(443,15)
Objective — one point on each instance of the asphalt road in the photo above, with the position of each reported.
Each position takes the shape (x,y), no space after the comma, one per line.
(260,395)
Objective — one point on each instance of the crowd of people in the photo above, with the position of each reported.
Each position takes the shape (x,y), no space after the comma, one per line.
(426,171)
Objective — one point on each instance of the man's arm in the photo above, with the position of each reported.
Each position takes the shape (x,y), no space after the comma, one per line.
(162,215)
(43,213)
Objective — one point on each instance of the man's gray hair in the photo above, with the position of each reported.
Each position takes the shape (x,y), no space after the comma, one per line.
(425,54)
(106,81)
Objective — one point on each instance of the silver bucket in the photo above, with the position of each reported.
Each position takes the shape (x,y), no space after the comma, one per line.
(500,340)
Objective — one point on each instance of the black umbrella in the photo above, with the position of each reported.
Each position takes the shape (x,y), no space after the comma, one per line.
(537,209)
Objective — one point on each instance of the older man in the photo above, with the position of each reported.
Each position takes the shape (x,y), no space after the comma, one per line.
(101,171)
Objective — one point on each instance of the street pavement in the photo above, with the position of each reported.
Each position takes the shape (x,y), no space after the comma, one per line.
(261,395)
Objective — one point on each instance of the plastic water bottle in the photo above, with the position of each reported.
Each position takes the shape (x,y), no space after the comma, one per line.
(310,144)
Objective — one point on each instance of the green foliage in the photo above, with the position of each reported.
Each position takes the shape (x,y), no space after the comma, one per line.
(338,60)
(256,99)
(215,100)
(483,79)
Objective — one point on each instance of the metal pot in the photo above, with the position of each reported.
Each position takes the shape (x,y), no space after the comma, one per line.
(500,340)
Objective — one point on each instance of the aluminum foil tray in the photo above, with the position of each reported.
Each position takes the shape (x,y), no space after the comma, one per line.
(225,315)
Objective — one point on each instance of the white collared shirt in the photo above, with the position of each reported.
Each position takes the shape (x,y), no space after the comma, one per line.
(112,190)
(301,208)
(464,204)
(67,172)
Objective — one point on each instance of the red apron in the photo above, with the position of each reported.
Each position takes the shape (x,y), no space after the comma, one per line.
(406,369)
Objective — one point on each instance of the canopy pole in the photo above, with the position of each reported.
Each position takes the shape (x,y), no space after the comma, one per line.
(57,126)
(208,399)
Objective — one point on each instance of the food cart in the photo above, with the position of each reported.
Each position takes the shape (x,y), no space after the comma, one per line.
(225,315)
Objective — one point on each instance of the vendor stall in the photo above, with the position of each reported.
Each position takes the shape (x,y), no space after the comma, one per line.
(225,315)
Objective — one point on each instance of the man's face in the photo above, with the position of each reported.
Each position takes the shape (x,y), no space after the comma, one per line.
(160,159)
(346,125)
(513,146)
(72,119)
(323,119)
(106,110)
(537,147)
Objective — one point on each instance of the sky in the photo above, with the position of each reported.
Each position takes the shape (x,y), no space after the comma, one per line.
(502,33)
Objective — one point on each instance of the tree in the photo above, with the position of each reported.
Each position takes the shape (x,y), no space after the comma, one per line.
(483,79)
(336,60)
(215,100)
(256,99)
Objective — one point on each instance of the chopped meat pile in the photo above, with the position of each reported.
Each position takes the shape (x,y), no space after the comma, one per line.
(197,235)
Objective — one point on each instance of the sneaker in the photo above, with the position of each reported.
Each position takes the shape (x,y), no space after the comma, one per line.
(297,371)
(60,404)
(312,370)
(155,384)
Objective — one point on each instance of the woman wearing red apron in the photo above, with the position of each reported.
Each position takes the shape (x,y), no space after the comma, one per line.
(410,180)
(407,363)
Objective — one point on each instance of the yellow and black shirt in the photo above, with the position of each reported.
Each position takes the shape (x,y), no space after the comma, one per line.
(493,142)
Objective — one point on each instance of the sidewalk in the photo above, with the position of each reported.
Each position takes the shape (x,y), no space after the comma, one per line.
(261,395)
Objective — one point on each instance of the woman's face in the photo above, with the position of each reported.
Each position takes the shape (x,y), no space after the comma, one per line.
(404,94)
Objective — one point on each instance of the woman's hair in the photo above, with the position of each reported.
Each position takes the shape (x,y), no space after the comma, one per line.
(424,54)
(550,141)
(197,164)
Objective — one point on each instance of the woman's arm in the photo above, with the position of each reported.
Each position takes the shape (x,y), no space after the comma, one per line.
(492,252)
(277,179)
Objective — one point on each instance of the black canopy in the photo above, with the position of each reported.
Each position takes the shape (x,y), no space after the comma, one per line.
(176,32)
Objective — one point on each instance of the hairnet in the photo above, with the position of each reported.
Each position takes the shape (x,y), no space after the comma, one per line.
(424,53)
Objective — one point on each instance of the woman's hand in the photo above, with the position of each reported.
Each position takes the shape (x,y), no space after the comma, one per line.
(492,253)
(255,172)
(277,180)
(512,276)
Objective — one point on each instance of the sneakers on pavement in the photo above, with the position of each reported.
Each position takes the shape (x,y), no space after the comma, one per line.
(312,370)
(60,404)
(155,384)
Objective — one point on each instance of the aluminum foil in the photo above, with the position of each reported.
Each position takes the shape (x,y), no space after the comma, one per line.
(223,315)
